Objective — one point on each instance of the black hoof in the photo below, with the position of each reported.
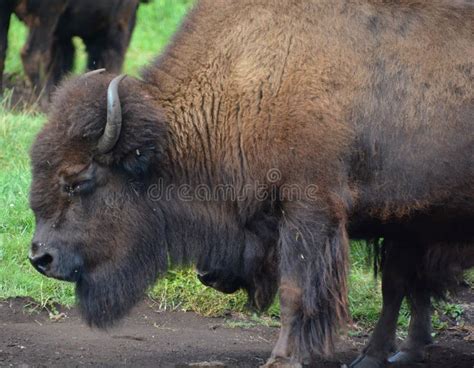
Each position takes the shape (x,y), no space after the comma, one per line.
(405,357)
(365,361)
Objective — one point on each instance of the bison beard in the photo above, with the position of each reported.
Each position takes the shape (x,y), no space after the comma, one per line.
(109,292)
(107,295)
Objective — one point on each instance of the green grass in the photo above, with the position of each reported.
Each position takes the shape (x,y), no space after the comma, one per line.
(180,289)
(17,278)
(157,21)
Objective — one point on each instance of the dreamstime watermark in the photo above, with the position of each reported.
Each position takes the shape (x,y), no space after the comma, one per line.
(271,189)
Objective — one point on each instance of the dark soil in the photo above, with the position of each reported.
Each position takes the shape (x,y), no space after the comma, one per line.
(150,338)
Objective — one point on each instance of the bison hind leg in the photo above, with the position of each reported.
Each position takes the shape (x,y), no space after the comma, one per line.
(419,333)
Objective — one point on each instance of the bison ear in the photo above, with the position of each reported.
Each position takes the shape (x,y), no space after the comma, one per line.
(138,162)
(136,133)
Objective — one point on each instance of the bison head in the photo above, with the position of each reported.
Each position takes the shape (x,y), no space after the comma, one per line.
(93,223)
(106,143)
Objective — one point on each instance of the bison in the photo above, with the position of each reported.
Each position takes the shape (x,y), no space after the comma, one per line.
(324,119)
(105,27)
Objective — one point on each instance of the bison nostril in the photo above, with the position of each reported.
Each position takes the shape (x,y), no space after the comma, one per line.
(50,262)
(42,262)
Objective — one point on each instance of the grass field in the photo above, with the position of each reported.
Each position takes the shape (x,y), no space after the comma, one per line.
(180,289)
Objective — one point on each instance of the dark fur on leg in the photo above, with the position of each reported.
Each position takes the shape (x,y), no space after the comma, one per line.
(314,257)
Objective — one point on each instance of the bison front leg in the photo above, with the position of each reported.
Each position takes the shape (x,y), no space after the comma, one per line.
(290,307)
(313,292)
(62,60)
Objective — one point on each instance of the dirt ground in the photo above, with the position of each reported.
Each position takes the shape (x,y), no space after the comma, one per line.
(152,338)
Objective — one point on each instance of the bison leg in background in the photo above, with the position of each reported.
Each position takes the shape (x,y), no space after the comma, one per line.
(419,333)
(313,264)
(441,268)
(37,51)
(5,13)
(418,271)
(62,55)
(108,50)
(398,268)
(105,53)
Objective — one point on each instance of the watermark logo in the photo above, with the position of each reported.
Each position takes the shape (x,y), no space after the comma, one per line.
(274,176)
(273,189)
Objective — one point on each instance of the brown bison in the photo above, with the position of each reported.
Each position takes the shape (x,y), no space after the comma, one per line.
(267,134)
(105,27)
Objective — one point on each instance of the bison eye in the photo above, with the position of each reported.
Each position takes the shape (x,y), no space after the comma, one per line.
(81,187)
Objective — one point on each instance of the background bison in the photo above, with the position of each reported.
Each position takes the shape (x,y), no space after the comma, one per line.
(369,102)
(105,27)
(418,270)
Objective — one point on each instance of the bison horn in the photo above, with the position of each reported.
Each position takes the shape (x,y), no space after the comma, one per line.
(93,72)
(114,117)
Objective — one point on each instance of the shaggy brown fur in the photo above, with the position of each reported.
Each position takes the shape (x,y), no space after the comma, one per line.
(369,101)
